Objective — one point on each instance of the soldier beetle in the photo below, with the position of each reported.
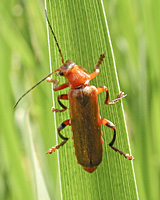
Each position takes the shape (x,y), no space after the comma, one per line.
(85,119)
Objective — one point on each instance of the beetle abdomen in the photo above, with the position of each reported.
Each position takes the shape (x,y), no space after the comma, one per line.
(86,125)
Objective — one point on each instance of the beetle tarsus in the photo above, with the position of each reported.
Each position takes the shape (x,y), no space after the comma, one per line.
(53,149)
(50,80)
(120,96)
(50,151)
(126,155)
(57,110)
(130,157)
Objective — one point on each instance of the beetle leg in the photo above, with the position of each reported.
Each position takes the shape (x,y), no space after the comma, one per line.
(104,88)
(60,87)
(119,96)
(112,126)
(96,72)
(64,97)
(65,139)
(56,87)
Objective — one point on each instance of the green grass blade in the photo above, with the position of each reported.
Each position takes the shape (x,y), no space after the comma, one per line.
(82,33)
(41,190)
(23,59)
(135,30)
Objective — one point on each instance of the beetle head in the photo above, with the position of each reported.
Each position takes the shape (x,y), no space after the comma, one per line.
(65,68)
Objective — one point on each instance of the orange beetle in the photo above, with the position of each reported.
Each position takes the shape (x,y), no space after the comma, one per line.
(85,118)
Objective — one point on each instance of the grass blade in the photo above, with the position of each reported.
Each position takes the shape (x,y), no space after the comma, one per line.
(81,30)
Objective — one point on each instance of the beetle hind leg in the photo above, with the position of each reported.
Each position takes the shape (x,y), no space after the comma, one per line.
(53,149)
(112,126)
(126,155)
(65,139)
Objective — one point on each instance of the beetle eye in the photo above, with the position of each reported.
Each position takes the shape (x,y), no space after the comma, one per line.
(61,73)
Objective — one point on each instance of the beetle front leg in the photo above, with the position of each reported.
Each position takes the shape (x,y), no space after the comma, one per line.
(112,126)
(96,72)
(56,87)
(104,88)
(65,139)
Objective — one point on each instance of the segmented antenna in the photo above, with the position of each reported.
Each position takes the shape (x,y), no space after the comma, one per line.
(51,72)
(54,36)
(34,87)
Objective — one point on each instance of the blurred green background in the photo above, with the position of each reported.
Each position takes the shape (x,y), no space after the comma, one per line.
(134,29)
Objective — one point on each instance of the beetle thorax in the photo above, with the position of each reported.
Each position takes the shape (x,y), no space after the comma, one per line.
(77,77)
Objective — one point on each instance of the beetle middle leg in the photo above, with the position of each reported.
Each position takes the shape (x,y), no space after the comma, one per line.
(104,88)
(65,139)
(112,126)
(64,97)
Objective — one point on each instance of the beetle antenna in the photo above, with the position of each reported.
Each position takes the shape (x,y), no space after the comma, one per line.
(54,36)
(34,87)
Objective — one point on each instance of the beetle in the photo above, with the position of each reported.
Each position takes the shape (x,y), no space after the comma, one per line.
(85,119)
